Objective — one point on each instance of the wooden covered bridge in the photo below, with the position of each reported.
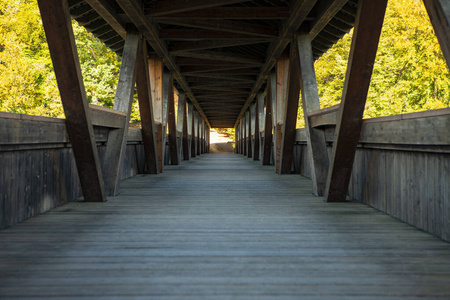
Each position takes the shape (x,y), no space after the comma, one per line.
(180,223)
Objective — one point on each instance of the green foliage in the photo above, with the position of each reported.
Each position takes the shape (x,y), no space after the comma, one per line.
(410,72)
(26,73)
(99,65)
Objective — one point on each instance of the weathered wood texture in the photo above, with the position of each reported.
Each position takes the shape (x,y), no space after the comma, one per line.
(290,110)
(144,89)
(256,126)
(401,167)
(117,139)
(310,102)
(38,170)
(368,25)
(63,51)
(172,124)
(232,229)
(268,136)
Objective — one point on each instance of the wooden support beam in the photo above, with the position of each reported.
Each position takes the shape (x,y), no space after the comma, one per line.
(149,30)
(144,90)
(316,142)
(194,133)
(225,26)
(282,79)
(166,7)
(191,128)
(326,10)
(244,134)
(156,82)
(107,12)
(299,11)
(439,13)
(199,152)
(63,51)
(173,141)
(183,123)
(249,141)
(236,139)
(256,126)
(202,34)
(117,139)
(223,56)
(290,111)
(267,149)
(237,12)
(212,44)
(369,21)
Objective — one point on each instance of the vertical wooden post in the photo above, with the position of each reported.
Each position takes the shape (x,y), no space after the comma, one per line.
(173,141)
(368,24)
(260,98)
(249,141)
(280,104)
(236,138)
(183,115)
(290,111)
(203,136)
(63,51)
(117,139)
(256,128)
(439,13)
(245,125)
(199,138)
(146,111)
(208,139)
(271,85)
(317,145)
(156,83)
(241,134)
(194,133)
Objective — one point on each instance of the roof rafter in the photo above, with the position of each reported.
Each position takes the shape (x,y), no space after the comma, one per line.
(204,45)
(232,13)
(299,12)
(225,26)
(150,32)
(223,56)
(166,7)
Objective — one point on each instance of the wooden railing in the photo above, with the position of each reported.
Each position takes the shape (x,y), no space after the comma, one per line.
(38,171)
(402,165)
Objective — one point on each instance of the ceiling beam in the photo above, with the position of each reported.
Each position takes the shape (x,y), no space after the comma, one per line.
(166,7)
(299,11)
(246,71)
(204,45)
(325,11)
(219,84)
(197,34)
(107,12)
(217,69)
(150,32)
(225,26)
(237,12)
(223,56)
(246,78)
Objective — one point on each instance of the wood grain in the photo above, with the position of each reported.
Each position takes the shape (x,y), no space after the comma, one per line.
(256,235)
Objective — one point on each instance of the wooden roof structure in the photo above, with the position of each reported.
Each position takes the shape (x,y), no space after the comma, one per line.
(220,52)
(231,61)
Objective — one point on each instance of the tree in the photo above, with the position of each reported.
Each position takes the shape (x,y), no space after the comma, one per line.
(410,72)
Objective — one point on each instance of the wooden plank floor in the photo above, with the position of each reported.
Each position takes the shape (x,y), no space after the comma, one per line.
(220,227)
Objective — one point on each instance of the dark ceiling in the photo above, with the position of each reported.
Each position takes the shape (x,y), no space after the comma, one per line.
(219,51)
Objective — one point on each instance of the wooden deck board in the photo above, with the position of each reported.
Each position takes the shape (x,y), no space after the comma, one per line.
(220,227)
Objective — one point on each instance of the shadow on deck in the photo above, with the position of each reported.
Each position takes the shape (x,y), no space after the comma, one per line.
(220,227)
